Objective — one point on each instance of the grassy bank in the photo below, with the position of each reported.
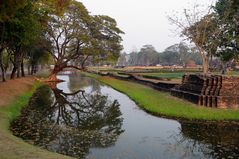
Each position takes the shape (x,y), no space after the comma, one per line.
(12,147)
(164,104)
(174,75)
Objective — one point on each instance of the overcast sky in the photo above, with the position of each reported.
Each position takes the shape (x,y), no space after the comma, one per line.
(143,21)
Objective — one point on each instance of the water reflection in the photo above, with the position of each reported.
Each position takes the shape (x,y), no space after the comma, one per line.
(215,140)
(69,123)
(90,124)
(78,81)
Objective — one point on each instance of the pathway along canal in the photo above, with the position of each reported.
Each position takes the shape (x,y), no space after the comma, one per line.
(102,123)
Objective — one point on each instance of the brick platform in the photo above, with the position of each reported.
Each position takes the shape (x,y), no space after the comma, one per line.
(209,90)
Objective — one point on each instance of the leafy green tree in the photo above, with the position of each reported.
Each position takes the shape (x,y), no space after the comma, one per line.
(76,35)
(69,35)
(19,25)
(106,37)
(8,11)
(227,14)
(23,30)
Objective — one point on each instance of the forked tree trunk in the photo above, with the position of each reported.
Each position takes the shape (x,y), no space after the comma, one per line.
(54,73)
(14,70)
(16,65)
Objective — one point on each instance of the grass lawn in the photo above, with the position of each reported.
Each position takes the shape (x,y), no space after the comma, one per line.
(15,148)
(164,104)
(173,75)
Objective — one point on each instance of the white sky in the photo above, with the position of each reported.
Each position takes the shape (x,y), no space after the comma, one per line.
(143,21)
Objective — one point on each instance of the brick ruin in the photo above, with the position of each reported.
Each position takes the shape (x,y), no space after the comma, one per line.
(209,90)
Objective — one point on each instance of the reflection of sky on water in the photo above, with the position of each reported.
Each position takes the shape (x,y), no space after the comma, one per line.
(147,136)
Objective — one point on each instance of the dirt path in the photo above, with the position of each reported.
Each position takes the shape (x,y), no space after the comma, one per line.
(12,88)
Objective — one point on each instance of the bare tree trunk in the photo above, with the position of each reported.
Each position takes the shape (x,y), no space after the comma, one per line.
(8,61)
(29,69)
(205,66)
(32,69)
(14,70)
(2,66)
(22,69)
(205,61)
(15,63)
(18,71)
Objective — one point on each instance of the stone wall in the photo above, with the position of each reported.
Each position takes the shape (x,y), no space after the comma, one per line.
(162,86)
(209,90)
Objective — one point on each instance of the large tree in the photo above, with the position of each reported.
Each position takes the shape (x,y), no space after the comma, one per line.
(76,35)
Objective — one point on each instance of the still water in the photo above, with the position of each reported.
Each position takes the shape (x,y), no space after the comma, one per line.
(83,118)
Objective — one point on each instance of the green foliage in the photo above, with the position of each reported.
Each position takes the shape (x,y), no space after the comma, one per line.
(76,35)
(227,14)
(177,54)
(107,35)
(9,8)
(23,27)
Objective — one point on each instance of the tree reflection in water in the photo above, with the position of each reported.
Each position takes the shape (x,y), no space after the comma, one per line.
(69,123)
(75,85)
(215,140)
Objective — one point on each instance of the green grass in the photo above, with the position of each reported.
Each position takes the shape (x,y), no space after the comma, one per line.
(164,104)
(173,75)
(15,148)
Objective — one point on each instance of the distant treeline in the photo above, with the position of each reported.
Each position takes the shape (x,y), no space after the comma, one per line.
(178,54)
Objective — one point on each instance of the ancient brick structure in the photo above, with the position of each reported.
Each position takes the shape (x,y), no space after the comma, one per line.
(209,90)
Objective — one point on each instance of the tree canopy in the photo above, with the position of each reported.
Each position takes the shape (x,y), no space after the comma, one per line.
(215,33)
(62,28)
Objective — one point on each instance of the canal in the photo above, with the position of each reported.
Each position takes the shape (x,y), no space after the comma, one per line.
(84,118)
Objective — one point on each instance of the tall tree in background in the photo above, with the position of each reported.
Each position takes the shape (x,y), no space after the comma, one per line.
(229,37)
(201,29)
(184,53)
(20,24)
(8,11)
(25,28)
